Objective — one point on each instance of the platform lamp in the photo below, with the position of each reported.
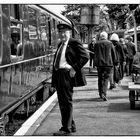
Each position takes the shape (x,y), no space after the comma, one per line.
(90,17)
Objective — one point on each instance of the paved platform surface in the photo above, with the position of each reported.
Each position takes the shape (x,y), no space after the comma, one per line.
(95,117)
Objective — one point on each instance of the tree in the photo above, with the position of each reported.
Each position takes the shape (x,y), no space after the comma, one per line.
(72,11)
(113,16)
(133,6)
(117,15)
(137,15)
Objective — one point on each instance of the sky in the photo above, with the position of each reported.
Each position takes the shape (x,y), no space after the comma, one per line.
(57,8)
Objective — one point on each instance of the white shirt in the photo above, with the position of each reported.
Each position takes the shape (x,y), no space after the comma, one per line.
(63,63)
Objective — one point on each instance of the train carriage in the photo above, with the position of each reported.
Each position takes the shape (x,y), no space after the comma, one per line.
(28,38)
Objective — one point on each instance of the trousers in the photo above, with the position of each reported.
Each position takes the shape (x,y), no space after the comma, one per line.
(129,66)
(103,79)
(64,89)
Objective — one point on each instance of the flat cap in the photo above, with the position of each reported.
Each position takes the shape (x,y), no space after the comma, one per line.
(63,26)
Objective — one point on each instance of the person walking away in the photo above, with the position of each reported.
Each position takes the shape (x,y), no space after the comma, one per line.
(104,59)
(131,52)
(120,59)
(91,48)
(122,42)
(67,73)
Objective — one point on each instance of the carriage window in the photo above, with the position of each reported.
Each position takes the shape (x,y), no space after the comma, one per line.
(32,24)
(16,30)
(16,39)
(43,27)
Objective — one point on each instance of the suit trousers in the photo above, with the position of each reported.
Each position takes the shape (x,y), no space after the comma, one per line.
(129,66)
(64,89)
(103,79)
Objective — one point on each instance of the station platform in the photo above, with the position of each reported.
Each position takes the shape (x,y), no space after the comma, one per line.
(93,116)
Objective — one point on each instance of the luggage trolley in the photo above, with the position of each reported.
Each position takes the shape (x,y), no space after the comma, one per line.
(134,86)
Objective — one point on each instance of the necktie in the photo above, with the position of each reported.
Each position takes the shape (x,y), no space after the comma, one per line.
(57,59)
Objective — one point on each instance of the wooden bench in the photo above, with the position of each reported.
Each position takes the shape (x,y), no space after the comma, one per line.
(134,93)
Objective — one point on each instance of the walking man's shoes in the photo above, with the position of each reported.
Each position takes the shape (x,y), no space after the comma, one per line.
(112,86)
(62,133)
(104,98)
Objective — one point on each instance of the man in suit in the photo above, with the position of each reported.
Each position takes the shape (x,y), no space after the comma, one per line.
(71,57)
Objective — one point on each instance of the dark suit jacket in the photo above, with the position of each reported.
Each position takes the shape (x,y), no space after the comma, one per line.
(77,57)
(91,48)
(104,54)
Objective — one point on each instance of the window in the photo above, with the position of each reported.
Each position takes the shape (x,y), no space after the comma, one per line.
(16,30)
(32,23)
(43,27)
(14,11)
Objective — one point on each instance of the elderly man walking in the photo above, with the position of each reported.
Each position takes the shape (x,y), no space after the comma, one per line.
(104,59)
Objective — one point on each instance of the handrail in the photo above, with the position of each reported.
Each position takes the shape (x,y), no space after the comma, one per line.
(15,63)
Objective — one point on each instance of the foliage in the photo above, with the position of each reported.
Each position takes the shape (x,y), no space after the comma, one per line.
(112,17)
(137,15)
(133,6)
(73,12)
(118,13)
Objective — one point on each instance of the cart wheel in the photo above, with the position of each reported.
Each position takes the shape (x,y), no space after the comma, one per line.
(132,99)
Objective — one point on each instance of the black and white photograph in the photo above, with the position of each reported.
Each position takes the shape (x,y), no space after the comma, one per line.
(70,69)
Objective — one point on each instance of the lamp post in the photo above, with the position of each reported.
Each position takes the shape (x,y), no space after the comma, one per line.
(90,17)
(135,31)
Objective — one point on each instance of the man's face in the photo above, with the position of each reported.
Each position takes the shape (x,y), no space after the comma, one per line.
(126,40)
(93,40)
(64,34)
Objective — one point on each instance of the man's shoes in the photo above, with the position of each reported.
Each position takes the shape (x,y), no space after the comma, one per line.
(112,86)
(62,133)
(104,98)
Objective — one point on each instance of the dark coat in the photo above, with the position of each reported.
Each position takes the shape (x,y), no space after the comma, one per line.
(104,54)
(131,50)
(119,51)
(91,48)
(77,57)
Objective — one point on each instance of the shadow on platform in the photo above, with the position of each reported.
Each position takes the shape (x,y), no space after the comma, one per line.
(122,107)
